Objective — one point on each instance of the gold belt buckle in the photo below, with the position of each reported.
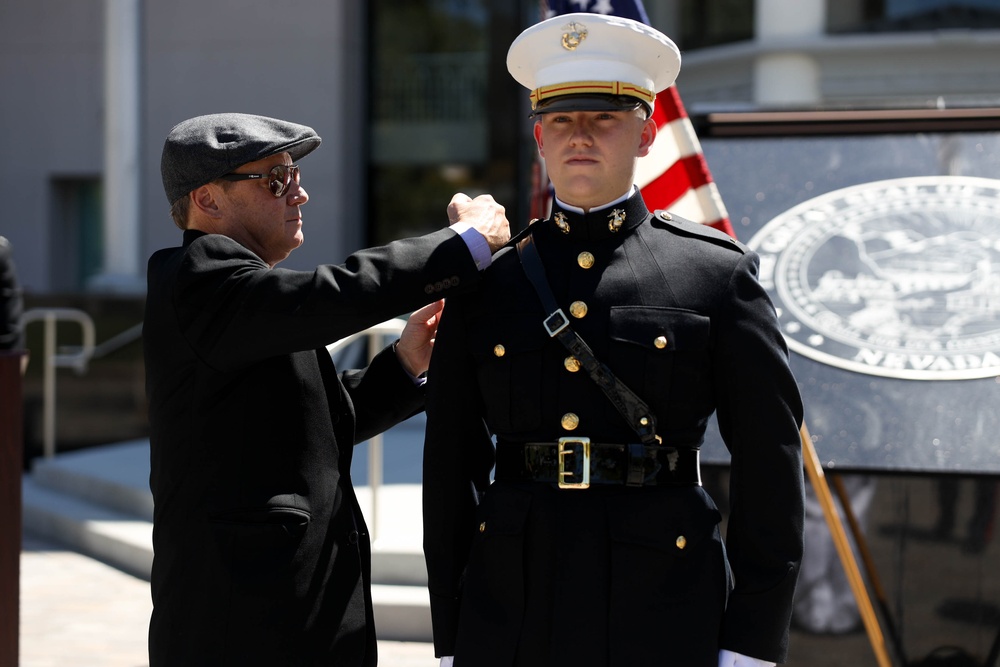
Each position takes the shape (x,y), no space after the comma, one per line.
(566,447)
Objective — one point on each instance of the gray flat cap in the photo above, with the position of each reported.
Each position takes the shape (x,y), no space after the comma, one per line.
(200,150)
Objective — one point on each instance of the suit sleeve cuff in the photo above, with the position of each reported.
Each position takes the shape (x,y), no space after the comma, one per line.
(418,380)
(476,243)
(444,622)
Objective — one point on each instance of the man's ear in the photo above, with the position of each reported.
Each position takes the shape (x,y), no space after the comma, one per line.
(204,200)
(537,130)
(647,137)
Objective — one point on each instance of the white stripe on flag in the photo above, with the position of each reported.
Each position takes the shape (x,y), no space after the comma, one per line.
(700,205)
(674,141)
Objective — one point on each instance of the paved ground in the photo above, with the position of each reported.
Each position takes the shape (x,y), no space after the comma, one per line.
(943,590)
(78,612)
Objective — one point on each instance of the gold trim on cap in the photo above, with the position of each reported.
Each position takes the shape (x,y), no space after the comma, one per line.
(599,87)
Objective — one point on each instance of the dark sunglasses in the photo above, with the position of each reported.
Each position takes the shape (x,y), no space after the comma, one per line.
(279,179)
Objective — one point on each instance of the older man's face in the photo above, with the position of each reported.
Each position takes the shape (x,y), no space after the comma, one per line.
(269,226)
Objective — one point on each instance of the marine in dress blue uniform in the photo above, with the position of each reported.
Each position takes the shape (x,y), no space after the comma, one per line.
(537,568)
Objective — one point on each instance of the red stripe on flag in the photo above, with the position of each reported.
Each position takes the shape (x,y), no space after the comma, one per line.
(687,173)
(669,106)
(683,175)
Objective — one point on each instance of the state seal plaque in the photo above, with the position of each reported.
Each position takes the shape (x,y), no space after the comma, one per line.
(897,278)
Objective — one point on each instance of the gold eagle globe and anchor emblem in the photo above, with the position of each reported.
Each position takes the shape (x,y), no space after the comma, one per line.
(616,219)
(574,35)
(561,222)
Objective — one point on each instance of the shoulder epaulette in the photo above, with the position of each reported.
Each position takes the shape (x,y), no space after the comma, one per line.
(667,220)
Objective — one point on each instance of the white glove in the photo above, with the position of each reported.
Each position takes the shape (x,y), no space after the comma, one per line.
(730,659)
(726,659)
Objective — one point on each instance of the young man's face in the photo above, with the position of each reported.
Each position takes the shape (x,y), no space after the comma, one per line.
(590,156)
(269,226)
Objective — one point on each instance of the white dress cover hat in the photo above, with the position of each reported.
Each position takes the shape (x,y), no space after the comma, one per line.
(592,62)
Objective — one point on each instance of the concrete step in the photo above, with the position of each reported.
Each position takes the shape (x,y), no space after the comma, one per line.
(97,501)
(122,540)
(115,477)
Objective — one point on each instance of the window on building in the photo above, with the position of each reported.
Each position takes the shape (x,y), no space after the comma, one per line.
(845,16)
(77,240)
(444,111)
(695,24)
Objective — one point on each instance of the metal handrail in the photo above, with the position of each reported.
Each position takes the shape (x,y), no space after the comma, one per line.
(392,327)
(81,357)
(118,341)
(51,360)
(375,336)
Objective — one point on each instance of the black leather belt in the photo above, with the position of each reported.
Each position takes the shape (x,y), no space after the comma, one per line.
(577,463)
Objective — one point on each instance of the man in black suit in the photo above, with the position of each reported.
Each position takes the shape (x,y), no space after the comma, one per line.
(596,544)
(261,554)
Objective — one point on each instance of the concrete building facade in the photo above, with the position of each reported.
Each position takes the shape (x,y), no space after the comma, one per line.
(89,88)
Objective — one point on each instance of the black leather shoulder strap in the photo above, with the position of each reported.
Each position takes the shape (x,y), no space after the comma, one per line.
(632,408)
(526,232)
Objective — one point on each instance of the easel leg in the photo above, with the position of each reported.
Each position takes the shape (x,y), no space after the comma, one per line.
(817,478)
(866,557)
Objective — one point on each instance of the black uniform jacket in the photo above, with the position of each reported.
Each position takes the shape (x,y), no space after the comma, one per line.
(524,573)
(261,555)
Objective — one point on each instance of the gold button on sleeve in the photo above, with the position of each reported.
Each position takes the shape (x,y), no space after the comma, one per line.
(482,527)
(681,542)
(578,309)
(585,260)
(499,350)
(660,342)
(572,364)
(570,421)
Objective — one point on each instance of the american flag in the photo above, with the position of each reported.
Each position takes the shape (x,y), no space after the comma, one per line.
(674,175)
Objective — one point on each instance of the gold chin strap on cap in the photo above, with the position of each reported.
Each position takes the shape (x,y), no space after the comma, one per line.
(599,87)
